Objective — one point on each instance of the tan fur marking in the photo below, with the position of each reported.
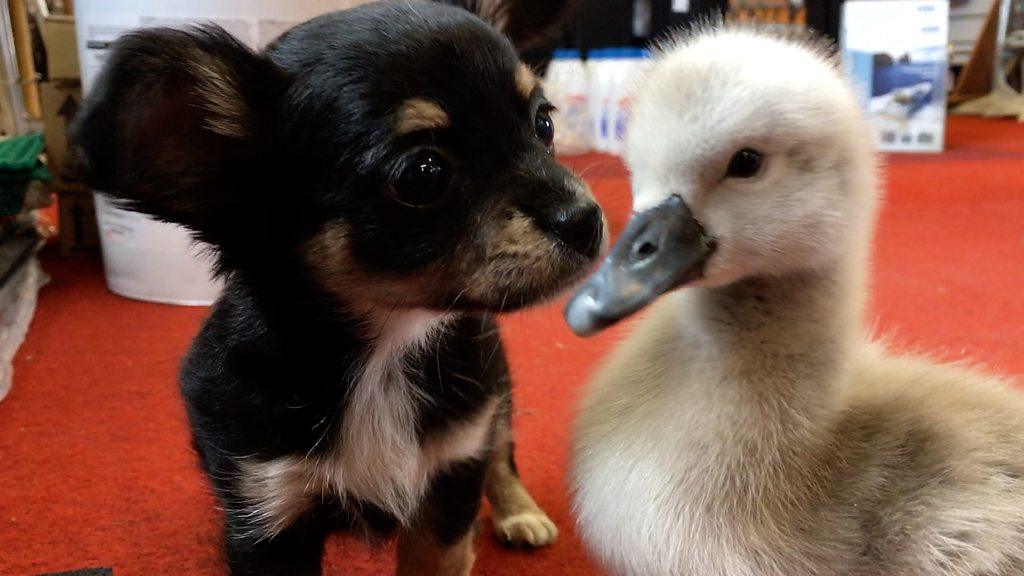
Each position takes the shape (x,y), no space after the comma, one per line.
(419,114)
(516,516)
(419,553)
(519,236)
(328,256)
(513,246)
(331,244)
(526,81)
(229,114)
(519,255)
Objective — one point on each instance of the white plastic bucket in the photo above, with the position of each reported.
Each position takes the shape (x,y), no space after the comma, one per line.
(145,259)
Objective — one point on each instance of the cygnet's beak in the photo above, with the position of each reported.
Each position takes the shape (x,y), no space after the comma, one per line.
(660,249)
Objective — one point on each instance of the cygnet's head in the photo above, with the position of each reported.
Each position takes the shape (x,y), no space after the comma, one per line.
(749,158)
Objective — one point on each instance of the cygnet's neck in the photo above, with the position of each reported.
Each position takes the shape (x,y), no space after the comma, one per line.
(782,345)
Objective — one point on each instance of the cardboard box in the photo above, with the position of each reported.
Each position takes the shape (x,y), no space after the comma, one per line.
(61,48)
(79,235)
(61,102)
(898,55)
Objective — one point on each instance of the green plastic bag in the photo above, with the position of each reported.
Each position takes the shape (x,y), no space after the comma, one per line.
(19,165)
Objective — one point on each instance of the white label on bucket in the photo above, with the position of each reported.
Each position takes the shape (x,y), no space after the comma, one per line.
(98,38)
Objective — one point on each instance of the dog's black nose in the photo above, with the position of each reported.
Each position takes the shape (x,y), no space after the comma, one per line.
(580,228)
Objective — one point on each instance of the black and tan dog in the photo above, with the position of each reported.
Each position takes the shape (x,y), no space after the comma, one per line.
(375,185)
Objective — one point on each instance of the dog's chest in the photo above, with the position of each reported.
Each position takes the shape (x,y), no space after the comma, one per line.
(378,455)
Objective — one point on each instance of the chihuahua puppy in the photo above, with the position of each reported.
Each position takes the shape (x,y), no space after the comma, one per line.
(375,185)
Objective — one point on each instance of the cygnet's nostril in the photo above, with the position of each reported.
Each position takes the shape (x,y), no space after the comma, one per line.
(645,244)
(646,249)
(580,228)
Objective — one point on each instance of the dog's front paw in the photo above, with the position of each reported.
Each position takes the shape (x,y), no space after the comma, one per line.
(532,529)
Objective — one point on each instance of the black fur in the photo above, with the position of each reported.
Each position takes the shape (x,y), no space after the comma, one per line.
(258,154)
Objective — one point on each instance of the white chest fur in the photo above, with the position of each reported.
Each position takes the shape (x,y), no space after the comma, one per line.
(642,518)
(640,485)
(378,457)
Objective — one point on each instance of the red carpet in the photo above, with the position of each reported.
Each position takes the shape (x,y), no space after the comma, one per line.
(95,464)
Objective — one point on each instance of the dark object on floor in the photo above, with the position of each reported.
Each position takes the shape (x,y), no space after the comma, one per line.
(14,252)
(19,165)
(79,232)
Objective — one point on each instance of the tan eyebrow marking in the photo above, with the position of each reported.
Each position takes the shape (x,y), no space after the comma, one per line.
(420,114)
(526,81)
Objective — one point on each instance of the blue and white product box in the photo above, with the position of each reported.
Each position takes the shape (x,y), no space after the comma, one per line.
(897,53)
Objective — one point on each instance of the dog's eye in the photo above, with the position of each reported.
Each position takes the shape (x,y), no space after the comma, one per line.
(423,181)
(545,127)
(744,164)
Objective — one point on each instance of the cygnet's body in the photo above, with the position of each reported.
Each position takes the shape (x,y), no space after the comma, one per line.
(747,426)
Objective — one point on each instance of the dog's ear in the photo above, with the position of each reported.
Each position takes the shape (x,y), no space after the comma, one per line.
(525,22)
(176,125)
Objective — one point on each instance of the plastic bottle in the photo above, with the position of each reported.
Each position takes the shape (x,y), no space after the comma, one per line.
(567,85)
(599,63)
(617,65)
(629,67)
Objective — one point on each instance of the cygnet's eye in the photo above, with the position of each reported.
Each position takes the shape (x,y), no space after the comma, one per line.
(744,164)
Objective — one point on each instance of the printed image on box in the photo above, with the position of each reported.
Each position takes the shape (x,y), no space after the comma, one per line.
(896,52)
(901,89)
